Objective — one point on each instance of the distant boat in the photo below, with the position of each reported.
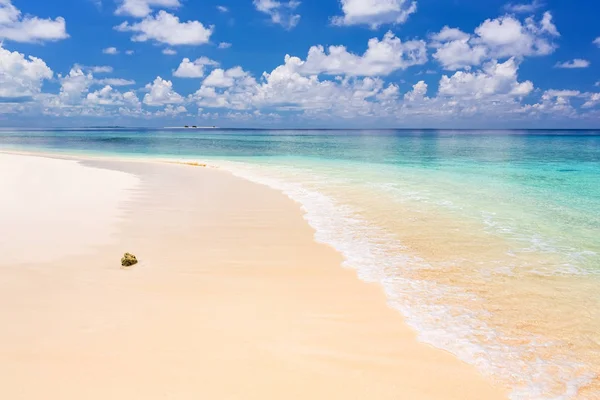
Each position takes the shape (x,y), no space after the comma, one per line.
(191,127)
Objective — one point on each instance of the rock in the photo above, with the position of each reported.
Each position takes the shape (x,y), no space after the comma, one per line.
(128,260)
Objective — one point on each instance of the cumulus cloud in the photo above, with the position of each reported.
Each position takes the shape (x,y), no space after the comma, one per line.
(554,102)
(193,69)
(455,50)
(576,63)
(171,111)
(597,41)
(132,99)
(223,9)
(375,13)
(224,45)
(75,99)
(524,8)
(224,78)
(557,103)
(498,38)
(492,90)
(141,8)
(493,80)
(166,28)
(107,96)
(29,29)
(417,94)
(508,37)
(110,50)
(286,89)
(281,12)
(593,99)
(21,77)
(74,85)
(169,52)
(382,57)
(160,93)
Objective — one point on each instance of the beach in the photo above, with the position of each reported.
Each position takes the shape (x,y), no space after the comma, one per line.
(232,298)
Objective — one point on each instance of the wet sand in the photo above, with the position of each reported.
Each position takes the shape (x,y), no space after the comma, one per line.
(232,299)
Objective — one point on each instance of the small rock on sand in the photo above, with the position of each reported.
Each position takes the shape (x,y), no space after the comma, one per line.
(128,260)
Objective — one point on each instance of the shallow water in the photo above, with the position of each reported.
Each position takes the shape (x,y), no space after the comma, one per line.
(487,242)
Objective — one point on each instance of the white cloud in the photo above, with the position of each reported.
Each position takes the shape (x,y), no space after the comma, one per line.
(499,38)
(169,52)
(106,96)
(492,91)
(281,12)
(417,94)
(375,13)
(29,29)
(524,8)
(448,34)
(346,98)
(223,9)
(554,102)
(597,41)
(557,103)
(100,69)
(170,111)
(454,50)
(592,101)
(74,85)
(110,50)
(287,90)
(493,80)
(131,99)
(547,26)
(576,63)
(382,57)
(21,77)
(508,37)
(160,92)
(166,28)
(195,69)
(224,45)
(115,82)
(76,99)
(141,8)
(224,78)
(561,93)
(129,52)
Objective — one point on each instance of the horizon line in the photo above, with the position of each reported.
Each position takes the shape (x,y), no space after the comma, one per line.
(205,128)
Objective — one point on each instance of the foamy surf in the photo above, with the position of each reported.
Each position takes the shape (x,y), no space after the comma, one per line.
(443,315)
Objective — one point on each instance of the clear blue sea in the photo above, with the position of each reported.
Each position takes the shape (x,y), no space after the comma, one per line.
(487,242)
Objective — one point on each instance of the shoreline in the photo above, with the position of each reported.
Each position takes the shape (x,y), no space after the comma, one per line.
(310,314)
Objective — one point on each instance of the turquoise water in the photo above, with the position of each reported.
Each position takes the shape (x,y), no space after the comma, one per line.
(488,242)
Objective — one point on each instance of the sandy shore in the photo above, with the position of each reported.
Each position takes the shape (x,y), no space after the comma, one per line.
(232,298)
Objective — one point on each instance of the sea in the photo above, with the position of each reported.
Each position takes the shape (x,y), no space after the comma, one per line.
(486,242)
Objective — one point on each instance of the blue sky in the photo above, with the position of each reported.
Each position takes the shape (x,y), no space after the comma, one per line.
(311,63)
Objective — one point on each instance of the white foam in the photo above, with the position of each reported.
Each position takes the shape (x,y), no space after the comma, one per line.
(377,256)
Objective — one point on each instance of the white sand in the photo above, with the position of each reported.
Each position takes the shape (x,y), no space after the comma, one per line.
(232,299)
(51,208)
